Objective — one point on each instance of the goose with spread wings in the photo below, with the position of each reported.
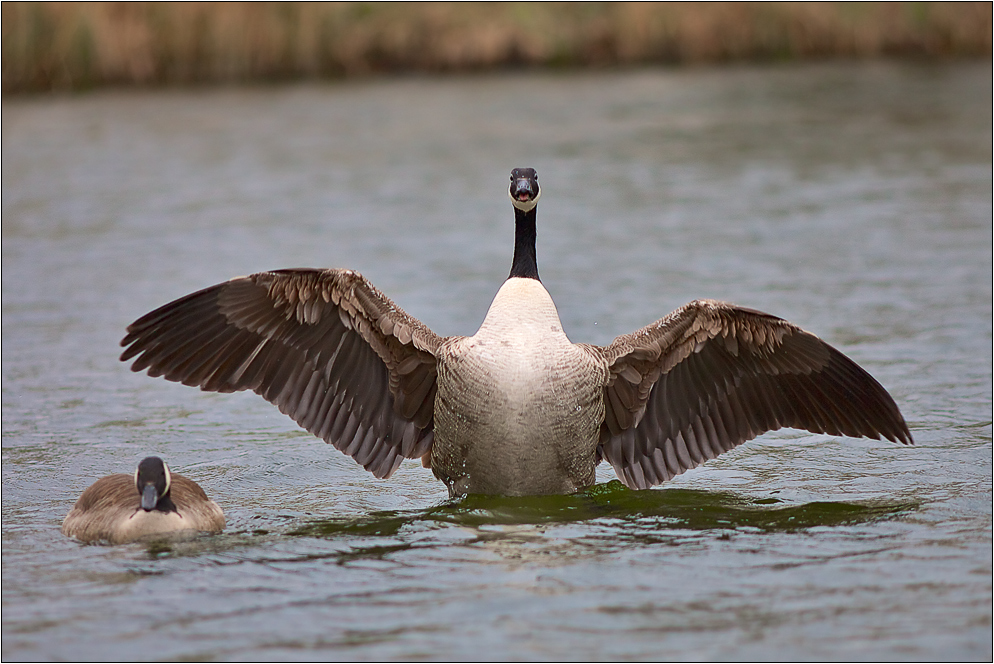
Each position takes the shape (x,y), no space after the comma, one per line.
(517,408)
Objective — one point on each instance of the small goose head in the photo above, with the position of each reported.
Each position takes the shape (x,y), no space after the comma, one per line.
(152,481)
(524,190)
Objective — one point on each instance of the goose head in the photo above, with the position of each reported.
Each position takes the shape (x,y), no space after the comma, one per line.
(152,480)
(524,190)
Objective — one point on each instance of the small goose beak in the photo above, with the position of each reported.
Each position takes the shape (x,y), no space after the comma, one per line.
(150,497)
(523,190)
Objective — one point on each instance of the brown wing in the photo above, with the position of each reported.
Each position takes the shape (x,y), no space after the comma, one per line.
(193,505)
(325,346)
(107,501)
(109,493)
(711,376)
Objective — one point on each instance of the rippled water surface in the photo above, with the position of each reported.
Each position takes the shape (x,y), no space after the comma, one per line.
(854,200)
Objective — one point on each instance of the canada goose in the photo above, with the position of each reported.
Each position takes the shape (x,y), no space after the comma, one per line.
(153,501)
(516,409)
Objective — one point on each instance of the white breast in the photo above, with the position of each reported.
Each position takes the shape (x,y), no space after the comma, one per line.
(518,405)
(522,323)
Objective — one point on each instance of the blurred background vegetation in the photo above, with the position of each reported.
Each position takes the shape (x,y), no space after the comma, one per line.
(74,46)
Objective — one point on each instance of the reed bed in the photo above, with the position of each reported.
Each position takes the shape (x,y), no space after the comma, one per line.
(72,46)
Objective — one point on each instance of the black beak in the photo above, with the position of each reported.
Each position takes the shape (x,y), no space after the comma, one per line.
(150,497)
(524,189)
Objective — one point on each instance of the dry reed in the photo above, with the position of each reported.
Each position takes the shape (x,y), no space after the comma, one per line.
(60,46)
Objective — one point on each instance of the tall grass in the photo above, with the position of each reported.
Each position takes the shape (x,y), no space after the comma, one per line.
(57,46)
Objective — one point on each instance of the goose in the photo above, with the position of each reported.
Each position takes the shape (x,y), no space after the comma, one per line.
(517,408)
(153,501)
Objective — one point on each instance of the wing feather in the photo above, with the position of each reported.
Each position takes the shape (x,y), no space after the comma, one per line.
(711,376)
(328,348)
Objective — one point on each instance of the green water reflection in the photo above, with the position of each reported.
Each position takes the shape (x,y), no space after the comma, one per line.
(612,502)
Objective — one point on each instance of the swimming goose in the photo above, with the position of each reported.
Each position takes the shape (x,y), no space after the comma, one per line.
(516,409)
(153,501)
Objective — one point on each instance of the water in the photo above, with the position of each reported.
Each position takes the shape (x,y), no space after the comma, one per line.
(852,199)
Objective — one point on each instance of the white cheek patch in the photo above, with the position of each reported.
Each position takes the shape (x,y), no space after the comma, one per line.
(525,206)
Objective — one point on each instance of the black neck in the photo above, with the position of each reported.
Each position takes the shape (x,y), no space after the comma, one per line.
(524,264)
(166,504)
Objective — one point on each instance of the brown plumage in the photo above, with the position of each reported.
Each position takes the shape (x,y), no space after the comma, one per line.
(112,510)
(517,408)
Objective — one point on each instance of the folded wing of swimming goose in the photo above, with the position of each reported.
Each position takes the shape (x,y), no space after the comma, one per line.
(711,376)
(325,346)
